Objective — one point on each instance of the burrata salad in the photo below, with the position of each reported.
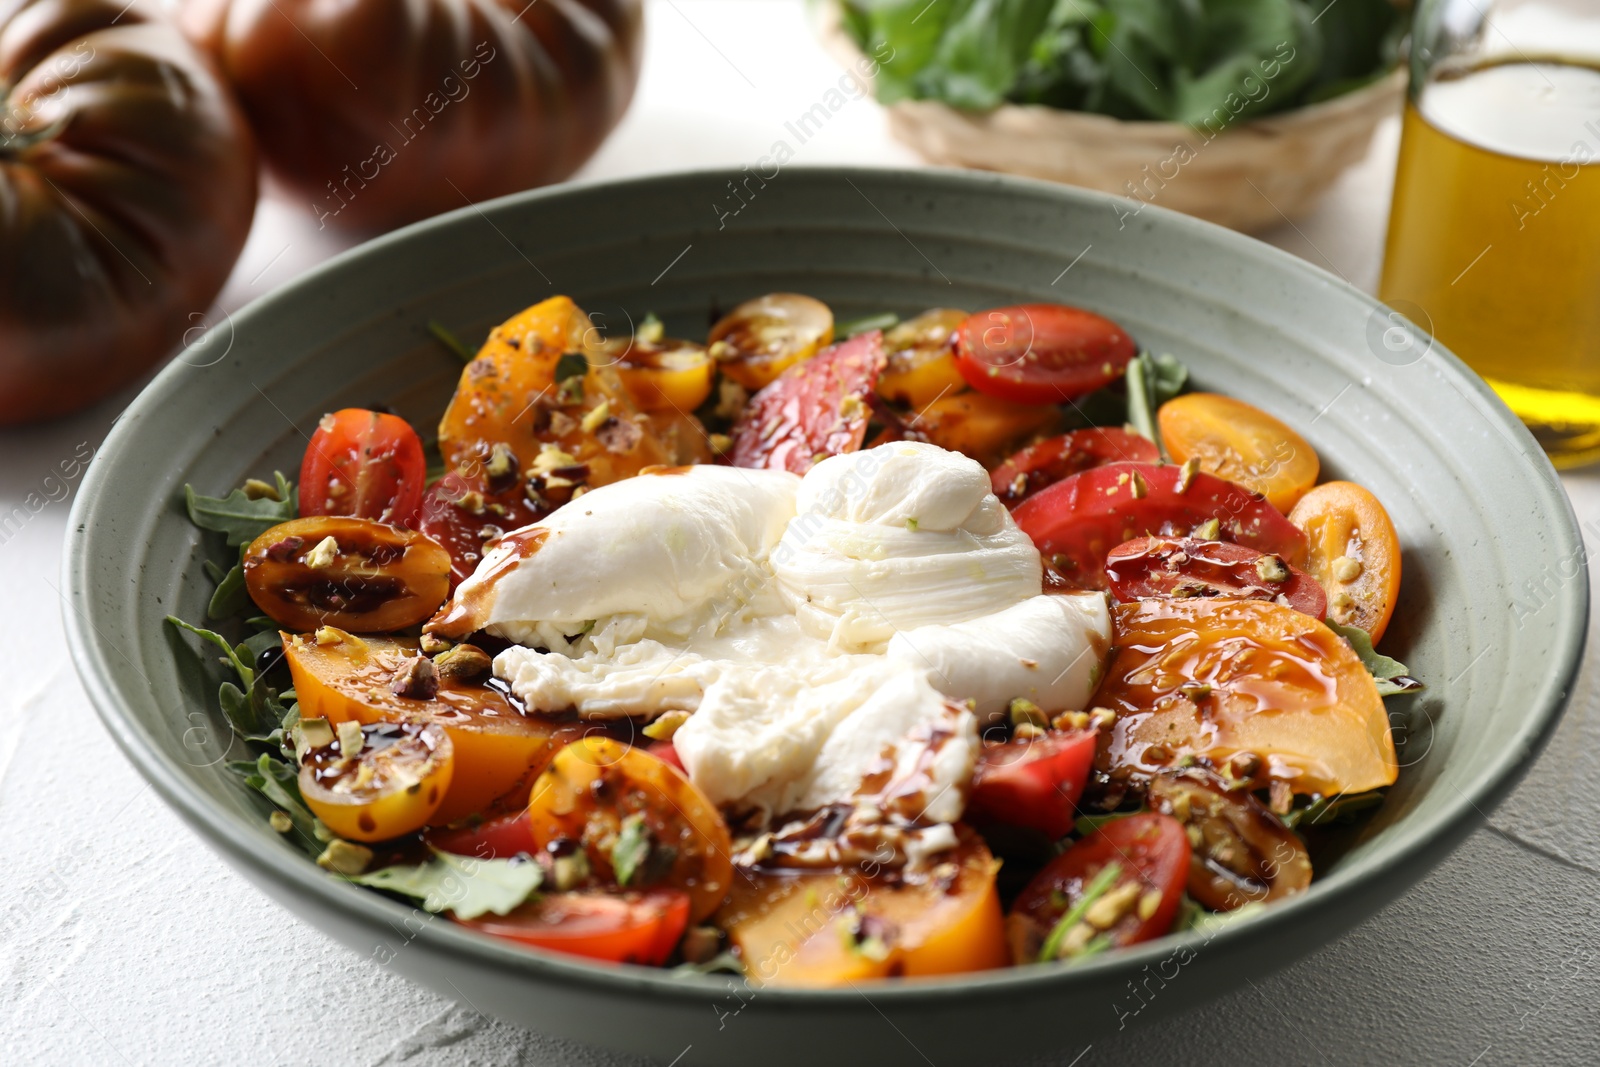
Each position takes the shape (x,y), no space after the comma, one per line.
(817,652)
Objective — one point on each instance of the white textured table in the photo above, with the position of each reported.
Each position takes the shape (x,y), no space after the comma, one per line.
(124,941)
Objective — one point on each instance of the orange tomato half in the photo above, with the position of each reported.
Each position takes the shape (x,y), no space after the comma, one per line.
(831,928)
(984,427)
(496,748)
(1214,678)
(1354,553)
(1241,443)
(921,366)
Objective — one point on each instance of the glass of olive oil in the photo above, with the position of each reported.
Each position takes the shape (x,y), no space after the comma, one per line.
(1494,236)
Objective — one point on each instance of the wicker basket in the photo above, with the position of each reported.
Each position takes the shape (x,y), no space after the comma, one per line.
(1249,176)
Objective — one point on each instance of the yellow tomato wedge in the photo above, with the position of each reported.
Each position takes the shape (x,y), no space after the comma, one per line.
(1354,553)
(1219,677)
(667,375)
(377,782)
(611,799)
(762,338)
(921,365)
(985,427)
(497,750)
(832,928)
(1243,444)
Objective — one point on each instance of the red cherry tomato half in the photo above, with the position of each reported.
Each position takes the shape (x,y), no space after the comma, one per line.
(363,463)
(1041,353)
(493,839)
(463,515)
(1078,520)
(1151,853)
(1187,566)
(814,409)
(667,752)
(1049,461)
(623,927)
(1034,783)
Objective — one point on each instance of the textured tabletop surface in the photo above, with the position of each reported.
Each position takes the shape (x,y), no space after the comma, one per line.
(123,940)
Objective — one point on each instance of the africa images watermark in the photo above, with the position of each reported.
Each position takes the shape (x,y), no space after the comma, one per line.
(452,89)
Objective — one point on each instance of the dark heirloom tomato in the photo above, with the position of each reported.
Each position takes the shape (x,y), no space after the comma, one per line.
(1051,460)
(1034,783)
(1189,567)
(640,928)
(378,113)
(812,410)
(129,180)
(1041,353)
(1120,885)
(353,574)
(1242,853)
(363,463)
(1078,520)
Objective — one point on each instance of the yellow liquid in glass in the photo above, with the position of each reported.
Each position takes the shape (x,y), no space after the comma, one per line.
(1494,239)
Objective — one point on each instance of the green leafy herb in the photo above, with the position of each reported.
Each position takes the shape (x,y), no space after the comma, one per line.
(1206,63)
(1098,886)
(722,963)
(632,849)
(238,516)
(240,658)
(230,597)
(571,364)
(451,341)
(884,321)
(1088,824)
(278,782)
(1339,808)
(1192,916)
(1152,381)
(1392,676)
(464,885)
(253,708)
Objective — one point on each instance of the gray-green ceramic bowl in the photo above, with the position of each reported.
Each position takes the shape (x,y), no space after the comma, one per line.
(1493,610)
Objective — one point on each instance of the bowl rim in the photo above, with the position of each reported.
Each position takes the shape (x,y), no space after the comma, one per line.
(230,833)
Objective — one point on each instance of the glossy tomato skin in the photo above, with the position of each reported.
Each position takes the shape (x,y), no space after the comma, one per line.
(1077,521)
(493,839)
(762,338)
(1241,443)
(1034,783)
(1041,353)
(1051,460)
(376,113)
(465,516)
(814,409)
(366,464)
(1152,851)
(1354,553)
(392,786)
(1242,853)
(377,579)
(1188,567)
(130,184)
(616,927)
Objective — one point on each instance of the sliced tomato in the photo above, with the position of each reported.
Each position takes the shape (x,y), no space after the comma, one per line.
(1242,853)
(622,927)
(387,782)
(1041,353)
(1188,567)
(1241,443)
(1051,460)
(355,574)
(499,838)
(363,463)
(814,410)
(982,426)
(466,515)
(1213,680)
(922,359)
(667,753)
(761,338)
(1034,783)
(1137,902)
(1077,521)
(1355,553)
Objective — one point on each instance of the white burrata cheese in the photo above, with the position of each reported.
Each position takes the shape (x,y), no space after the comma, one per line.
(824,633)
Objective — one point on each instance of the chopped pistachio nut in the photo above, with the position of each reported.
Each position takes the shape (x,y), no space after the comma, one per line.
(721,444)
(570,871)
(1027,732)
(418,679)
(665,726)
(595,416)
(343,857)
(579,491)
(1103,718)
(1180,806)
(912,523)
(651,329)
(1195,690)
(463,663)
(1106,912)
(1196,838)
(1270,568)
(553,481)
(701,943)
(280,822)
(1023,710)
(1186,473)
(1346,569)
(1019,484)
(1149,901)
(1208,530)
(1071,720)
(329,635)
(324,554)
(501,461)
(1342,604)
(317,732)
(722,351)
(851,408)
(1140,489)
(256,489)
(570,391)
(433,644)
(551,458)
(351,738)
(1244,765)
(1280,796)
(731,396)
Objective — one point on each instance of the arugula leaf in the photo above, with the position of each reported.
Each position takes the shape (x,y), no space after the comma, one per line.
(883,321)
(237,515)
(234,656)
(631,850)
(278,782)
(1191,916)
(230,598)
(1088,824)
(724,962)
(443,335)
(465,885)
(252,707)
(1391,675)
(1342,807)
(1152,381)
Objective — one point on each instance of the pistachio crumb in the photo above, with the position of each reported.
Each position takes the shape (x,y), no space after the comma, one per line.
(433,644)
(343,857)
(1342,604)
(280,822)
(324,554)
(1149,901)
(1103,718)
(1346,569)
(666,725)
(351,738)
(1027,732)
(1140,489)
(1071,720)
(316,733)
(596,415)
(912,523)
(463,663)
(571,870)
(701,943)
(721,444)
(256,489)
(1208,530)
(1186,473)
(1109,909)
(1019,484)
(329,635)
(1024,712)
(1270,568)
